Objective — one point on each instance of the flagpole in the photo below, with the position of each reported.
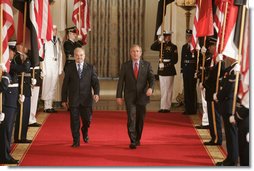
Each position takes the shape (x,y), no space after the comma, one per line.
(22,74)
(162,29)
(79,18)
(203,62)
(1,53)
(239,59)
(221,47)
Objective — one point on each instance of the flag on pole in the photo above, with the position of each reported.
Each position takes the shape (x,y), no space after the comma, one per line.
(81,18)
(194,40)
(244,84)
(31,37)
(160,16)
(7,29)
(205,19)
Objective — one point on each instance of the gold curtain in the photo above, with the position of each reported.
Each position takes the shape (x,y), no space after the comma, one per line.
(115,26)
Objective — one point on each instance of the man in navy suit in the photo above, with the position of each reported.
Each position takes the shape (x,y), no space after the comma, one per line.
(80,78)
(136,80)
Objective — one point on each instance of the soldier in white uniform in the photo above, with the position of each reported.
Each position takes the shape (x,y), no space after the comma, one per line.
(52,68)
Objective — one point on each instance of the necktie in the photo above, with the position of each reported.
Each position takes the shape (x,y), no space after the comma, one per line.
(79,70)
(136,70)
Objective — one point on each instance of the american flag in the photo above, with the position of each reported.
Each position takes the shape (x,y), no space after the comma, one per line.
(244,84)
(194,40)
(7,28)
(81,18)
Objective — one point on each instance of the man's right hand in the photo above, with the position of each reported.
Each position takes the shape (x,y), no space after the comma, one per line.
(119,101)
(65,105)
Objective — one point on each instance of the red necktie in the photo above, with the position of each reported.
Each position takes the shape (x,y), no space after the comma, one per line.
(136,70)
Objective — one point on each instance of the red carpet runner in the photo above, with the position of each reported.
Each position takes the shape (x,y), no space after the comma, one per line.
(168,140)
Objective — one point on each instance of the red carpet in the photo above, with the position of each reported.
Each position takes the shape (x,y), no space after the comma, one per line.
(168,140)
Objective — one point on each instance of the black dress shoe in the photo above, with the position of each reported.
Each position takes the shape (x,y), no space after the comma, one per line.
(211,143)
(86,139)
(52,110)
(23,141)
(166,111)
(47,111)
(226,163)
(132,146)
(34,125)
(202,127)
(11,161)
(75,145)
(161,111)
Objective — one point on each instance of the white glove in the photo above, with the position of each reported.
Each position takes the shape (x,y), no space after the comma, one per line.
(79,37)
(203,49)
(201,86)
(219,58)
(161,65)
(2,115)
(215,97)
(161,38)
(33,80)
(195,75)
(3,67)
(21,98)
(43,74)
(237,68)
(248,137)
(232,119)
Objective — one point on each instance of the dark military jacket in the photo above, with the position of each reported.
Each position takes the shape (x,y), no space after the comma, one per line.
(69,47)
(169,57)
(188,60)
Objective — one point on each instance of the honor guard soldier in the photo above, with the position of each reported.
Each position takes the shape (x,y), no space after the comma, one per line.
(52,68)
(9,88)
(70,44)
(225,101)
(35,90)
(188,68)
(215,125)
(21,63)
(166,69)
(241,118)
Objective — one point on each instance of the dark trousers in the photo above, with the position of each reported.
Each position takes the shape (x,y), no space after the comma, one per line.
(243,129)
(25,120)
(230,133)
(135,123)
(6,128)
(86,116)
(190,93)
(215,125)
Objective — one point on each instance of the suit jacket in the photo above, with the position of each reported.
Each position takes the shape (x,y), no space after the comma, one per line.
(135,89)
(79,91)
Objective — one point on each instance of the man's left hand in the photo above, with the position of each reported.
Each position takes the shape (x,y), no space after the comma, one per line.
(96,98)
(149,92)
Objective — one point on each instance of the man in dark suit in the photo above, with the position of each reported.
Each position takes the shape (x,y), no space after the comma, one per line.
(136,80)
(80,78)
(166,69)
(188,68)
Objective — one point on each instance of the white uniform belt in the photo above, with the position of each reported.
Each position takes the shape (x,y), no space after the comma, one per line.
(26,75)
(13,85)
(71,59)
(166,60)
(37,67)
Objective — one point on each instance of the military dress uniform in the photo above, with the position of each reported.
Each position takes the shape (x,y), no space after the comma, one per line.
(225,97)
(188,68)
(70,46)
(35,90)
(18,67)
(242,120)
(215,125)
(9,89)
(166,75)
